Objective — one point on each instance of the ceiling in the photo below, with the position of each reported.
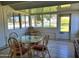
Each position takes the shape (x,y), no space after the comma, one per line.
(20,5)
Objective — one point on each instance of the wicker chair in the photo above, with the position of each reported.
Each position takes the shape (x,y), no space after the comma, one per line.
(16,48)
(42,48)
(13,34)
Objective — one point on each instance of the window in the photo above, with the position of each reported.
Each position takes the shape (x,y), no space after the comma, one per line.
(35,10)
(46,20)
(46,9)
(53,8)
(65,6)
(10,23)
(33,20)
(53,20)
(38,20)
(64,23)
(16,20)
(23,21)
(25,11)
(27,21)
(50,9)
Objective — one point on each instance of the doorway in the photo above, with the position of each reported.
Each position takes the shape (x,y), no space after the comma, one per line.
(64,26)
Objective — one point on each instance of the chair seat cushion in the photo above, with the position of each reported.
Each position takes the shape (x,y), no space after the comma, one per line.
(23,50)
(20,48)
(39,47)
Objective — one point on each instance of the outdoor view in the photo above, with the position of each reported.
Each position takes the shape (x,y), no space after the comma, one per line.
(16,19)
(46,20)
(23,21)
(10,23)
(27,21)
(33,21)
(39,21)
(53,20)
(64,23)
(15,23)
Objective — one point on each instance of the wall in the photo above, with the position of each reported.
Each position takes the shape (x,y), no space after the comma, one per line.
(74,11)
(75,24)
(75,20)
(5,12)
(2,39)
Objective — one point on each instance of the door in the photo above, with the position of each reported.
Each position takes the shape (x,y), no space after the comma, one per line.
(64,26)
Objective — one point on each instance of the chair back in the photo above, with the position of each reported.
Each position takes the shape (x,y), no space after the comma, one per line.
(14,44)
(45,41)
(13,34)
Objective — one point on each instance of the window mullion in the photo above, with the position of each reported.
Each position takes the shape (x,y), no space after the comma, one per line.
(13,21)
(20,20)
(50,21)
(42,20)
(25,20)
(35,20)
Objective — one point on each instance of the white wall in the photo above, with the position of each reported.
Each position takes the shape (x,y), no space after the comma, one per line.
(2,40)
(75,24)
(5,12)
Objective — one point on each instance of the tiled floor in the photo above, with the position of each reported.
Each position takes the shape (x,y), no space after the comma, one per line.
(61,49)
(57,49)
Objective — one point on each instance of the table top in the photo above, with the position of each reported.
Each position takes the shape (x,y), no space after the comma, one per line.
(30,39)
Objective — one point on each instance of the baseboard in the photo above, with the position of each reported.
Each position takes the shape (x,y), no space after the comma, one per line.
(4,47)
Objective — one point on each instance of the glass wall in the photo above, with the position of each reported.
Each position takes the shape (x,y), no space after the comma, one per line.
(46,20)
(39,17)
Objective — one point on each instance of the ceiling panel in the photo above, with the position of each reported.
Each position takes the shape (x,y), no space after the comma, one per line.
(19,5)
